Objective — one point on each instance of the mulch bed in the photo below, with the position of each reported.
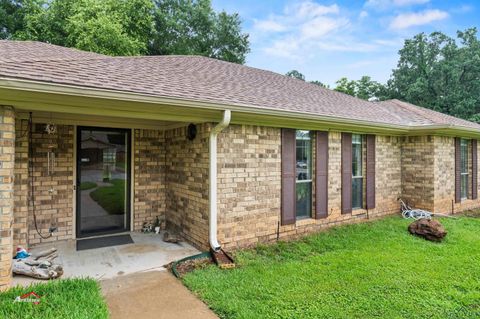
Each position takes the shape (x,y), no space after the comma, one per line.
(190,265)
(472,213)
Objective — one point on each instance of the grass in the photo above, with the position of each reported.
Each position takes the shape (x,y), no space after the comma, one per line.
(369,270)
(87,185)
(111,198)
(62,299)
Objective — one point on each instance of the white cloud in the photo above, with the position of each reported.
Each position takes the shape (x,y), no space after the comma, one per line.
(269,26)
(407,20)
(301,26)
(363,14)
(321,26)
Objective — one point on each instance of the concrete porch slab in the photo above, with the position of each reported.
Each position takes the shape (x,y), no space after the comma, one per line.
(149,252)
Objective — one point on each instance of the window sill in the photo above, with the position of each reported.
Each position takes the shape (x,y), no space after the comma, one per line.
(359,211)
(304,221)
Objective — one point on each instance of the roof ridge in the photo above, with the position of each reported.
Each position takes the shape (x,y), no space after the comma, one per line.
(410,107)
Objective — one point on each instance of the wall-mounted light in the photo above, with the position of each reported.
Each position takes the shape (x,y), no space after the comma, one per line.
(191,131)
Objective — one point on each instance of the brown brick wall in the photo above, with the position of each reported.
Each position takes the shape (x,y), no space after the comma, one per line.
(171,178)
(444,182)
(418,171)
(7,154)
(53,193)
(149,176)
(249,186)
(21,189)
(187,184)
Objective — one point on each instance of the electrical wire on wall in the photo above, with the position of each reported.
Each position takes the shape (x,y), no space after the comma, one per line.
(31,175)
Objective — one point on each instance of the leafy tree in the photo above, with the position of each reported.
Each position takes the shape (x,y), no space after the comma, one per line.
(346,86)
(114,27)
(365,88)
(295,74)
(192,27)
(320,84)
(127,27)
(440,73)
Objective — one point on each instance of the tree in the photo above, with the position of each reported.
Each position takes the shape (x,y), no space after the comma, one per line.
(365,88)
(320,84)
(346,86)
(440,73)
(127,27)
(192,27)
(295,74)
(114,27)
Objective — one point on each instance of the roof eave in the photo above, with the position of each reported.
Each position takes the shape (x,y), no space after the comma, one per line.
(242,114)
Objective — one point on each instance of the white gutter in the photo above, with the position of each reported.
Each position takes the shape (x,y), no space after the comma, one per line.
(213,179)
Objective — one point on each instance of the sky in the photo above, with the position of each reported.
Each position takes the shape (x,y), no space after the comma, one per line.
(327,40)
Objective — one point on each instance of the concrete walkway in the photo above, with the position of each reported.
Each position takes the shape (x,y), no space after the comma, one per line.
(154,294)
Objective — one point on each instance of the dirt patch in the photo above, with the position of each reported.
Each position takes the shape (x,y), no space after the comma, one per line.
(190,265)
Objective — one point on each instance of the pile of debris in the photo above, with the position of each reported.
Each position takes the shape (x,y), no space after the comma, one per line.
(38,265)
(160,225)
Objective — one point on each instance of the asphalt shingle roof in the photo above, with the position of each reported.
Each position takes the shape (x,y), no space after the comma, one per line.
(203,79)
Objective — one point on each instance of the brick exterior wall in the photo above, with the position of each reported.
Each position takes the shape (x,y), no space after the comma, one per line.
(21,186)
(444,179)
(149,200)
(7,154)
(249,186)
(187,184)
(171,179)
(54,196)
(418,171)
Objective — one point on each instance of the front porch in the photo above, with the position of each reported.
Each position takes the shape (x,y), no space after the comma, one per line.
(147,253)
(163,170)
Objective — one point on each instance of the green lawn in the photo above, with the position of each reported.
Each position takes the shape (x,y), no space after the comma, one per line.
(369,270)
(111,198)
(87,185)
(60,299)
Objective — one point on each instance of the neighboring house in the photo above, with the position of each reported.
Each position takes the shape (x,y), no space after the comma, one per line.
(291,157)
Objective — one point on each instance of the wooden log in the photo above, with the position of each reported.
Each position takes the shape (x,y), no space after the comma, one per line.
(44,253)
(19,267)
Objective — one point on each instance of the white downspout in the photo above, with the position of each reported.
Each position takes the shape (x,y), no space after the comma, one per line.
(213,179)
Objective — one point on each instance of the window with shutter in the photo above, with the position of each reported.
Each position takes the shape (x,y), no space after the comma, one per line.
(303,174)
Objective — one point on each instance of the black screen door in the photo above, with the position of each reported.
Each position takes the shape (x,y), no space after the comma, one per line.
(103,181)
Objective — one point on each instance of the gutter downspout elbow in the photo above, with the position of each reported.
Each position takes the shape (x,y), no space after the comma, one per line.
(213,179)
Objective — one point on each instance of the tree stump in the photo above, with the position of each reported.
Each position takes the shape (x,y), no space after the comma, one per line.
(429,229)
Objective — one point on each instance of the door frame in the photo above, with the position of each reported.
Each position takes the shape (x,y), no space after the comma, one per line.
(128,195)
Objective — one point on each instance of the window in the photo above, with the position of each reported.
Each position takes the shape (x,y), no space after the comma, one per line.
(303,174)
(357,171)
(463,168)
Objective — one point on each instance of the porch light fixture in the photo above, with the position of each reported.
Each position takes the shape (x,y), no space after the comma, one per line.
(191,131)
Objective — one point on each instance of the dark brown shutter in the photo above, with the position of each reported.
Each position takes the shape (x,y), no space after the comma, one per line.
(346,173)
(321,175)
(370,172)
(474,170)
(288,176)
(457,170)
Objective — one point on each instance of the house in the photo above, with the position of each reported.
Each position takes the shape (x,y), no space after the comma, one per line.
(230,155)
